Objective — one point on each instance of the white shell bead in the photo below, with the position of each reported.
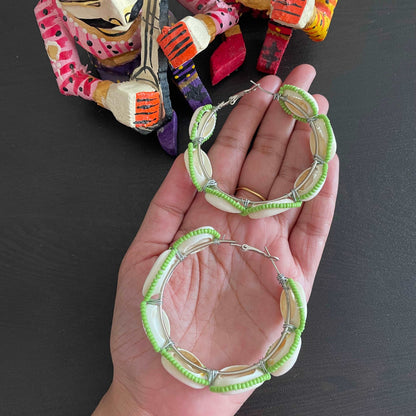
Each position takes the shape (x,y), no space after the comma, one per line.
(221,203)
(281,352)
(202,131)
(155,324)
(154,270)
(200,176)
(224,380)
(192,243)
(322,138)
(294,308)
(296,98)
(310,182)
(268,212)
(174,372)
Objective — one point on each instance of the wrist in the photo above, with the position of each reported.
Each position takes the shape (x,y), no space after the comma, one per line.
(117,401)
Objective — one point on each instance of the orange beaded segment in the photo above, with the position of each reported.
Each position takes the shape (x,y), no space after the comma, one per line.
(177,44)
(147,109)
(289,12)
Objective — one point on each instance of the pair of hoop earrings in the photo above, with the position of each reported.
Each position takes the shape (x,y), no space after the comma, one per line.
(282,354)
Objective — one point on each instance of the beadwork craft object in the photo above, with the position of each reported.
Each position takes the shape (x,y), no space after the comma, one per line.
(300,105)
(184,365)
(193,34)
(129,73)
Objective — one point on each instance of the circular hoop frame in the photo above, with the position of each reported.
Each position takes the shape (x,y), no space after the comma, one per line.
(300,105)
(186,367)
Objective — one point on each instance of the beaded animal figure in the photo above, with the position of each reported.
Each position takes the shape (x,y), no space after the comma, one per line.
(213,17)
(120,39)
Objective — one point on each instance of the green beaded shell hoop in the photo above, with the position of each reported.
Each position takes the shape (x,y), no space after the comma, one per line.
(184,365)
(300,105)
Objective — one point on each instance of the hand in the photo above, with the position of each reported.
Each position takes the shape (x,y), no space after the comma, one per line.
(136,104)
(223,320)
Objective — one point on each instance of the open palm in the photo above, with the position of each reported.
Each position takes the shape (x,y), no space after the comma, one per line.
(223,303)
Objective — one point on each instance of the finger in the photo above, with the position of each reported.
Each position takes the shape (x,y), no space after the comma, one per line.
(269,148)
(298,157)
(309,234)
(229,151)
(166,210)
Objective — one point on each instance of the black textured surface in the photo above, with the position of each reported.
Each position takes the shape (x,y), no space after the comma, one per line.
(75,186)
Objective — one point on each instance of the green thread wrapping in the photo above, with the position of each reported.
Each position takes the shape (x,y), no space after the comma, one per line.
(183,370)
(159,274)
(318,184)
(203,110)
(274,205)
(240,386)
(199,231)
(226,197)
(192,173)
(305,95)
(299,303)
(146,326)
(298,332)
(331,135)
(289,354)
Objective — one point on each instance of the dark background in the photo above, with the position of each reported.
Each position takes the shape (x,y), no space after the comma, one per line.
(75,186)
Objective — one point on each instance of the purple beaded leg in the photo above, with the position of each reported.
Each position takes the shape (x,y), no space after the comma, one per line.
(191,86)
(167,136)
